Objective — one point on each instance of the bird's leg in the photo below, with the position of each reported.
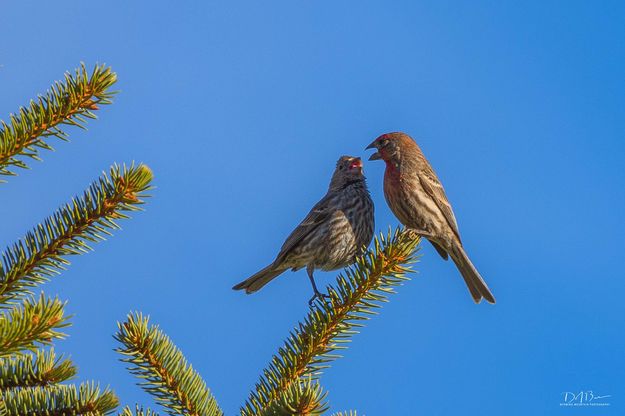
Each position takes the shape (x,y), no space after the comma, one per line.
(420,233)
(317,294)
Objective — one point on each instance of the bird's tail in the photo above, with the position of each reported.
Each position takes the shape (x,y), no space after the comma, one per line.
(260,279)
(475,283)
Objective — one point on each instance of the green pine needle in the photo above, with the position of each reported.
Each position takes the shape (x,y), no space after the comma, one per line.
(66,103)
(59,400)
(88,219)
(360,290)
(163,369)
(34,321)
(127,411)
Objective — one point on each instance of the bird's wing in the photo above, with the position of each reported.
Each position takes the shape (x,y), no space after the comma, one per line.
(317,215)
(434,189)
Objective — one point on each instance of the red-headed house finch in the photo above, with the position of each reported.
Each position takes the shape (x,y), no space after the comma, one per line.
(418,200)
(339,227)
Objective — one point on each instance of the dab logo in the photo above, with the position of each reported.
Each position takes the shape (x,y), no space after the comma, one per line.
(584,398)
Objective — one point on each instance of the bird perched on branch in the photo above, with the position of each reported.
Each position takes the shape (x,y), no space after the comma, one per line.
(337,229)
(417,198)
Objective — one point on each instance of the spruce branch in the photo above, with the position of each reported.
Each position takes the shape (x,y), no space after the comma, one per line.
(41,253)
(304,397)
(34,321)
(167,376)
(66,103)
(127,411)
(359,290)
(42,369)
(346,413)
(59,400)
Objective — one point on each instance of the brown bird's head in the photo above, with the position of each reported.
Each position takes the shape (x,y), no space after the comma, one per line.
(390,147)
(348,169)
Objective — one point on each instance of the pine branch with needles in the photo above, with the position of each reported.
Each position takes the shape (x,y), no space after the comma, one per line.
(59,400)
(33,323)
(360,290)
(163,370)
(67,103)
(87,219)
(303,397)
(42,368)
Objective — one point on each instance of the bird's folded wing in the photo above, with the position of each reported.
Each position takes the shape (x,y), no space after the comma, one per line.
(434,189)
(317,215)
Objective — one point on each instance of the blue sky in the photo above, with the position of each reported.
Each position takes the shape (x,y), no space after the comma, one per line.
(242,108)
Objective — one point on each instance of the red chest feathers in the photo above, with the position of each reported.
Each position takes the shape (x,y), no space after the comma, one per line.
(392,179)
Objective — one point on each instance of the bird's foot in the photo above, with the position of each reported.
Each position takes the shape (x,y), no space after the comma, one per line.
(319,295)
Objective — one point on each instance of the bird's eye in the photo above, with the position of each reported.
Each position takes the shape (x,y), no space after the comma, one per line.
(341,167)
(383,142)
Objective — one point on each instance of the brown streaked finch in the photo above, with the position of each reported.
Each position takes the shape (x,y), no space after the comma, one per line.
(417,198)
(337,229)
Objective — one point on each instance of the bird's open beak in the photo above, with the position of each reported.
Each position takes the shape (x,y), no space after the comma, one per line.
(356,163)
(376,155)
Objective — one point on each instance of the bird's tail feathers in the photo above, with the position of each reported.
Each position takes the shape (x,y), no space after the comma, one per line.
(477,286)
(259,279)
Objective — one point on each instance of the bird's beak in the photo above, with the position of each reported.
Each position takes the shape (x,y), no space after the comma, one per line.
(357,163)
(376,155)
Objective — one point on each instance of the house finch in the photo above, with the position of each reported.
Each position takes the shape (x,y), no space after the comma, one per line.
(339,227)
(418,200)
